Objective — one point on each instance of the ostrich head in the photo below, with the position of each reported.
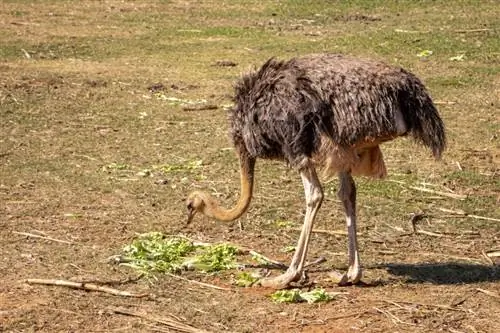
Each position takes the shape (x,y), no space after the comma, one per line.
(196,202)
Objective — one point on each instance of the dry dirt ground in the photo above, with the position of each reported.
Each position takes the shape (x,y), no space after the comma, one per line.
(105,128)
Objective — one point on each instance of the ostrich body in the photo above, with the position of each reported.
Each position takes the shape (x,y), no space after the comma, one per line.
(323,111)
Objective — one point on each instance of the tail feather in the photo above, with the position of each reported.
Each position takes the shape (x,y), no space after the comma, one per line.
(422,118)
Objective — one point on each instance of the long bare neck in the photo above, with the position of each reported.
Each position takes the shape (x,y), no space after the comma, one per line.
(213,208)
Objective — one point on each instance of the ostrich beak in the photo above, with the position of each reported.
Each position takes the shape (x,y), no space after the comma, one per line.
(191,213)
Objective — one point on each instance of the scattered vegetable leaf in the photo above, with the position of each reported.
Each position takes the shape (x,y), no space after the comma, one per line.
(153,252)
(424,53)
(295,296)
(245,279)
(460,57)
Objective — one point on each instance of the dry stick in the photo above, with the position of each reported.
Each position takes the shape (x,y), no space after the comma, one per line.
(444,194)
(347,315)
(26,54)
(84,286)
(444,102)
(393,318)
(277,264)
(482,217)
(472,30)
(430,233)
(464,214)
(41,237)
(315,262)
(452,211)
(493,253)
(113,282)
(155,328)
(489,293)
(412,31)
(200,107)
(462,232)
(328,232)
(208,285)
(488,259)
(439,306)
(170,323)
(271,261)
(396,304)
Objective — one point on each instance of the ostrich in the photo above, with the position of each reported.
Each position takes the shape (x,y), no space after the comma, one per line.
(323,111)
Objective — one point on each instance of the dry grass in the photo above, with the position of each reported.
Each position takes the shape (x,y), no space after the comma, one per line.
(79,127)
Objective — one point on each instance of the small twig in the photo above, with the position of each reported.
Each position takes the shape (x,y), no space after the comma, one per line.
(155,328)
(472,30)
(274,263)
(83,286)
(444,102)
(86,156)
(398,305)
(430,233)
(200,107)
(493,253)
(464,214)
(170,323)
(462,232)
(488,259)
(444,194)
(113,282)
(328,232)
(452,211)
(27,234)
(80,269)
(318,261)
(347,315)
(412,31)
(393,318)
(387,252)
(26,54)
(483,218)
(268,262)
(439,306)
(452,330)
(489,293)
(198,282)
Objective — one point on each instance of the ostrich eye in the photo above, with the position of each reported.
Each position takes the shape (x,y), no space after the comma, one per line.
(190,206)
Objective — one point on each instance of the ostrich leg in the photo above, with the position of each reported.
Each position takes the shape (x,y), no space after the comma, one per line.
(347,194)
(314,197)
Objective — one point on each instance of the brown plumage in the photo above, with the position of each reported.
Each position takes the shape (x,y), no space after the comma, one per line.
(328,111)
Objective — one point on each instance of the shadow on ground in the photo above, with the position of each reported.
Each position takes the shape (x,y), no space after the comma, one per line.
(444,273)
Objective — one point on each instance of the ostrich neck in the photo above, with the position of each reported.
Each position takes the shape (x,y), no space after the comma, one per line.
(247,165)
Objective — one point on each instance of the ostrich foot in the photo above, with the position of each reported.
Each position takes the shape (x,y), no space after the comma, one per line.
(281,281)
(352,276)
